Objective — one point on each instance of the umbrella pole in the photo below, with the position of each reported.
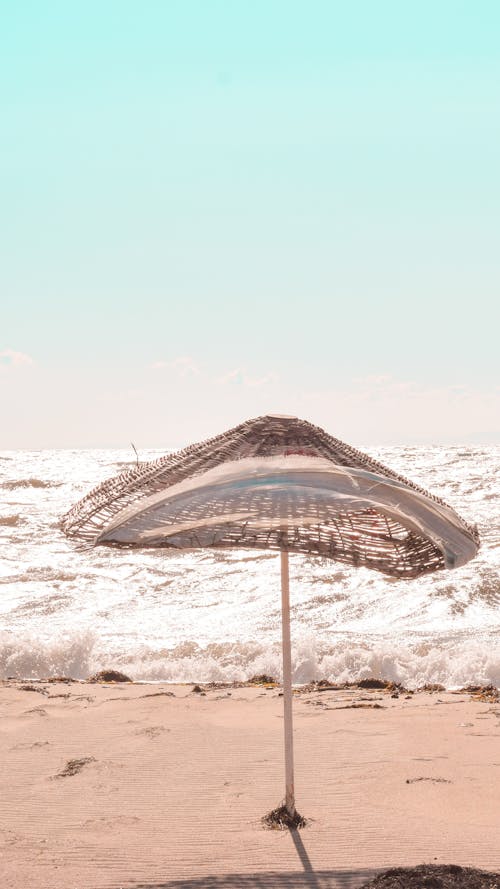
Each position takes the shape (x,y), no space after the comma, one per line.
(287,684)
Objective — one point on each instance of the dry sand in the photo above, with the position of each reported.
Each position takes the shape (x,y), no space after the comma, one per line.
(125,785)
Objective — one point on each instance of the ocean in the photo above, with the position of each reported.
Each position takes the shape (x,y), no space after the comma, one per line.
(215,615)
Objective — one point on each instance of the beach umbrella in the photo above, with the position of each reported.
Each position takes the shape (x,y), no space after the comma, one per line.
(283,484)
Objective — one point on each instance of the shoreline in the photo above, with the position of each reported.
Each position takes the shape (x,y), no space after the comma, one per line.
(478,691)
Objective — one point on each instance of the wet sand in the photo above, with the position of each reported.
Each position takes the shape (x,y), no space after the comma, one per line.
(128,785)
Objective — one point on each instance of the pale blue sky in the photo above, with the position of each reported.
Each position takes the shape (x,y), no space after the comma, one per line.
(210,210)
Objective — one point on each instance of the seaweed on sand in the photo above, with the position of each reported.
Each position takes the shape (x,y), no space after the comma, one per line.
(74,766)
(434,876)
(280,819)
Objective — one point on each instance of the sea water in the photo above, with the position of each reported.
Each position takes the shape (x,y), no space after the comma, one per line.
(215,615)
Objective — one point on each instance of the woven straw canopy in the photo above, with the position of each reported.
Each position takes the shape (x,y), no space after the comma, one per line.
(277,483)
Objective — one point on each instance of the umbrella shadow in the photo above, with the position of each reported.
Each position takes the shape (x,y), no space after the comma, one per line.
(325,879)
(321,879)
(307,878)
(304,857)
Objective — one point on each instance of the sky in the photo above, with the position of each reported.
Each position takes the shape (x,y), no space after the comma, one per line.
(219,209)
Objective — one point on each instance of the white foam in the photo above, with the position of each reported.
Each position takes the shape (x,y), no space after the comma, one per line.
(29,656)
(81,654)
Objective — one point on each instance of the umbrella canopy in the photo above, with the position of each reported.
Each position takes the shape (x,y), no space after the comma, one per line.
(278,483)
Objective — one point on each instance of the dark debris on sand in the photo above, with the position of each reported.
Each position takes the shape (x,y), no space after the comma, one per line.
(74,766)
(65,679)
(489,694)
(262,680)
(360,684)
(434,876)
(279,819)
(486,693)
(109,676)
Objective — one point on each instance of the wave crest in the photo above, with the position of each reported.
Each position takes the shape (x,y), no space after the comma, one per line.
(466,661)
(12,484)
(31,657)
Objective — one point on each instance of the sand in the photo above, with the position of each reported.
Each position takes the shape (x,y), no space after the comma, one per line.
(132,785)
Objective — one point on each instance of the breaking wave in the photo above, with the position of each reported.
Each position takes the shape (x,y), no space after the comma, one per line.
(29,656)
(80,655)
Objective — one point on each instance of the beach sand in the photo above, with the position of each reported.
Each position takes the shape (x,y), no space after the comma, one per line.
(132,785)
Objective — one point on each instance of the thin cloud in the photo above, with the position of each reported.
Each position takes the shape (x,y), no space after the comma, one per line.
(385,409)
(183,366)
(238,377)
(11,358)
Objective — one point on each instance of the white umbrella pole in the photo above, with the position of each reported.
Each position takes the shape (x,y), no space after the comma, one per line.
(287,685)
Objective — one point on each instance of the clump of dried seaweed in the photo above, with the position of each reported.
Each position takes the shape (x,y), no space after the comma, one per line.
(362,684)
(434,876)
(489,694)
(74,766)
(280,819)
(109,676)
(262,679)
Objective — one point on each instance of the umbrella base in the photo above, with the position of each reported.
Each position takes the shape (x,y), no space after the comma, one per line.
(280,819)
